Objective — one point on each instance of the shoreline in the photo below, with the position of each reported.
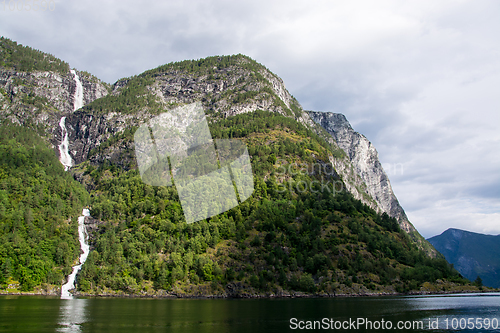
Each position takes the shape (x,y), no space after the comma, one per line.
(169,295)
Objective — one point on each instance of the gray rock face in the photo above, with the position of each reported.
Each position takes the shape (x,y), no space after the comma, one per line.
(43,98)
(364,159)
(88,131)
(59,90)
(92,88)
(353,183)
(218,91)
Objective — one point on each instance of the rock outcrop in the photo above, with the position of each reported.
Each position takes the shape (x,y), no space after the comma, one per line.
(57,89)
(42,98)
(239,85)
(365,163)
(364,158)
(227,91)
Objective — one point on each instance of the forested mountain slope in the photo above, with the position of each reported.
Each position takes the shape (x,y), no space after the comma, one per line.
(472,254)
(303,228)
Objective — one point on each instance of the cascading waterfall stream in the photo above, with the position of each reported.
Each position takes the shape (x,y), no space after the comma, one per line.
(82,234)
(64,155)
(67,161)
(78,101)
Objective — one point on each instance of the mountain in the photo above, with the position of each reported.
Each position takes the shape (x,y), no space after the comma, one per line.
(472,254)
(311,225)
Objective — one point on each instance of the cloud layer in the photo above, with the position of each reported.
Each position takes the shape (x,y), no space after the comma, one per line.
(418,78)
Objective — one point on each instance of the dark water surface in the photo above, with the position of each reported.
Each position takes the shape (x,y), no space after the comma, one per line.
(45,314)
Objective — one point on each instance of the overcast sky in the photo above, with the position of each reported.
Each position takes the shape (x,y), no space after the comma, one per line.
(420,79)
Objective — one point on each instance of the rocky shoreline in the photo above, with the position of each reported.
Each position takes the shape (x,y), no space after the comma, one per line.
(245,295)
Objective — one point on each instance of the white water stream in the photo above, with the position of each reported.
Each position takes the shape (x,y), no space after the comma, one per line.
(67,161)
(82,233)
(64,155)
(78,101)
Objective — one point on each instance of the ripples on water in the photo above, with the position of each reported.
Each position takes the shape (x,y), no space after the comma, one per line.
(72,315)
(43,314)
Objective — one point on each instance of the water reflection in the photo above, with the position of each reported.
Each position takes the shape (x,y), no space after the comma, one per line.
(72,314)
(443,313)
(474,312)
(486,302)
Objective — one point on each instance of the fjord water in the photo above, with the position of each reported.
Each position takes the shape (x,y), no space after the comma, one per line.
(43,314)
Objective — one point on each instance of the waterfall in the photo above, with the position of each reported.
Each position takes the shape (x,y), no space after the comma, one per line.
(82,234)
(66,160)
(64,155)
(78,99)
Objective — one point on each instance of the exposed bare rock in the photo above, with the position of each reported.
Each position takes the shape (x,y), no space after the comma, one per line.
(240,86)
(366,165)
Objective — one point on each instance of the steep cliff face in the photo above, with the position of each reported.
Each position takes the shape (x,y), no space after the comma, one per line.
(365,163)
(226,86)
(54,90)
(43,97)
(364,158)
(88,131)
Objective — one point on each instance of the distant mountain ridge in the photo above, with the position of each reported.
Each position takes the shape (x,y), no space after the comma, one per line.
(471,253)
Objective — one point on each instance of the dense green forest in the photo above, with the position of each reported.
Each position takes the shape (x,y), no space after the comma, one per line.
(26,59)
(291,234)
(209,65)
(39,206)
(299,230)
(131,99)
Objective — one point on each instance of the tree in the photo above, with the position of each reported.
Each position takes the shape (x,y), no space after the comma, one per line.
(478,281)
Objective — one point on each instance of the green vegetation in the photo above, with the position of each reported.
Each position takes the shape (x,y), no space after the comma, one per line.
(132,98)
(38,243)
(478,281)
(25,59)
(291,234)
(209,66)
(299,231)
